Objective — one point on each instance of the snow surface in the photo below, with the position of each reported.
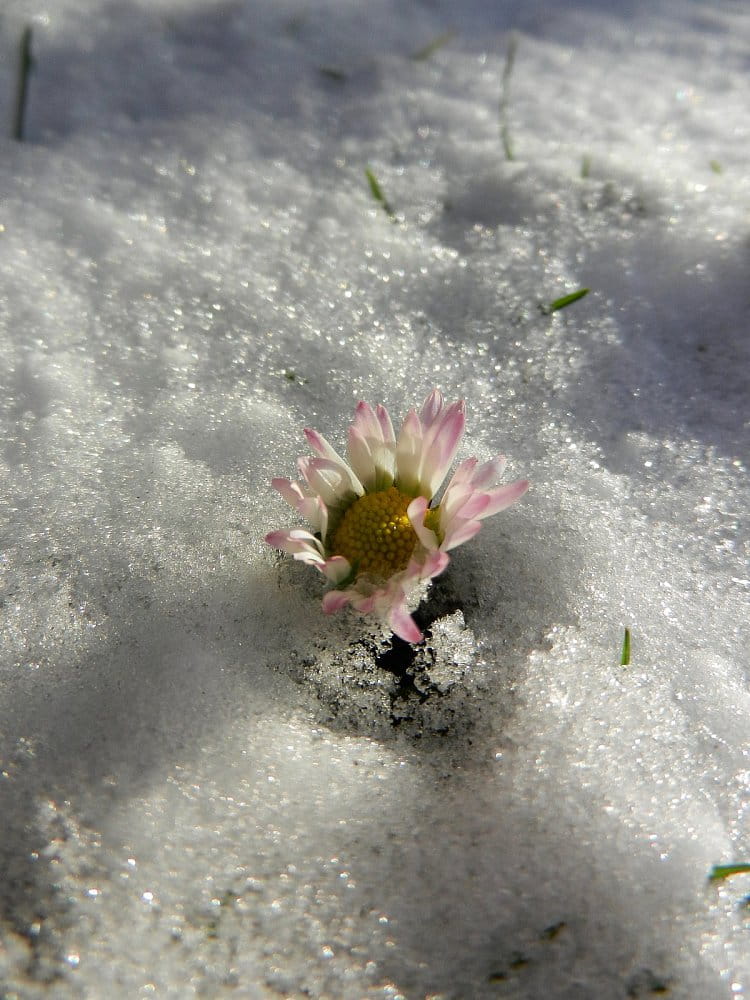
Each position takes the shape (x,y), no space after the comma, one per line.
(209,789)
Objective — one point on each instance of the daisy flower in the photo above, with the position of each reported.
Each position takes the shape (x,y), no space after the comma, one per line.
(377,531)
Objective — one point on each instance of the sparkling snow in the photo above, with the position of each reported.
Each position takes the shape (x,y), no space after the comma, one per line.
(209,789)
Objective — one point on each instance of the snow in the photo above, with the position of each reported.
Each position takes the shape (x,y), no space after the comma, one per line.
(207,788)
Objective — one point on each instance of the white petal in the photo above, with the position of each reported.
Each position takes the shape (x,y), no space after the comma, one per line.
(386,427)
(416,513)
(359,453)
(409,454)
(336,569)
(298,543)
(334,483)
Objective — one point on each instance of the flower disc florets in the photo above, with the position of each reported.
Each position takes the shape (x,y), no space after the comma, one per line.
(375,534)
(375,537)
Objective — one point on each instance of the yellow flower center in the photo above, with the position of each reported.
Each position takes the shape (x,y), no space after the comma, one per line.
(375,534)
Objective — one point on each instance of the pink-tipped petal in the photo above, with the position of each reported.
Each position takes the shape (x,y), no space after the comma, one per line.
(464,495)
(489,472)
(462,475)
(403,625)
(431,408)
(335,600)
(434,565)
(321,446)
(459,532)
(276,539)
(440,447)
(474,507)
(292,492)
(298,543)
(386,427)
(291,541)
(312,508)
(452,501)
(365,421)
(504,496)
(435,430)
(371,448)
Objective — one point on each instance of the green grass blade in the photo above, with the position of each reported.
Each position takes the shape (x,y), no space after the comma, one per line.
(510,58)
(377,192)
(566,300)
(625,656)
(437,43)
(333,73)
(719,872)
(25,65)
